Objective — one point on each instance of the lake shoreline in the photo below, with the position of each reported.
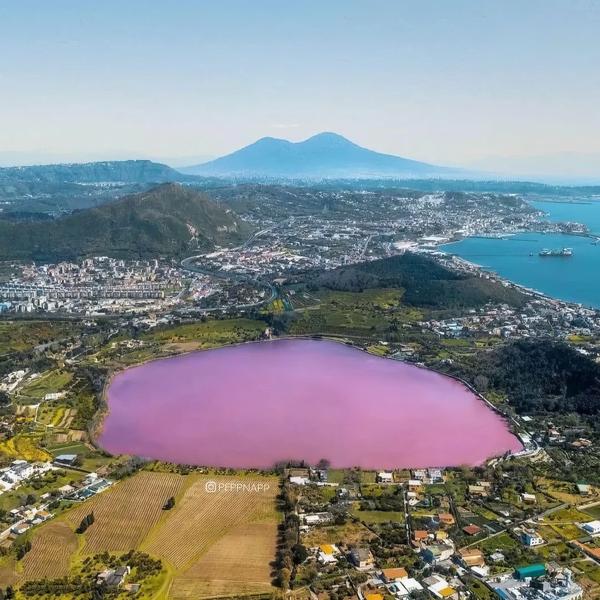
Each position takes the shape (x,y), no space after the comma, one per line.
(506,422)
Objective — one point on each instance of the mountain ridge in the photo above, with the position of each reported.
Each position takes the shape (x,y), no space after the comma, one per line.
(108,171)
(326,155)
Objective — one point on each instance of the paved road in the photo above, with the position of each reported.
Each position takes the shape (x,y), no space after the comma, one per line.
(188,265)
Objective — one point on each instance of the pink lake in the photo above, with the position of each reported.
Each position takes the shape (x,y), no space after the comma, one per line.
(257,404)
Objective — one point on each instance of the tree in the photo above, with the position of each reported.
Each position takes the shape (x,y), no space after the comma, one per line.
(299,553)
(284,578)
(169,504)
(323,464)
(481,383)
(22,549)
(85,523)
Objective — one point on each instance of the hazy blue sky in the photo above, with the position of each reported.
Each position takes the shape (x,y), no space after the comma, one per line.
(452,82)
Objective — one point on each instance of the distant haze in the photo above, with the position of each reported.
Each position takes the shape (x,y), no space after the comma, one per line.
(445,83)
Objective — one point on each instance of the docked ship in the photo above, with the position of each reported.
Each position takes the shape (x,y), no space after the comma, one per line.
(560,252)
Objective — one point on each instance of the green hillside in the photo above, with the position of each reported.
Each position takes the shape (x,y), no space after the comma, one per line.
(426,283)
(169,220)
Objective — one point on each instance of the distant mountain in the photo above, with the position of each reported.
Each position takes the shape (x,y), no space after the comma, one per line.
(323,156)
(169,220)
(118,171)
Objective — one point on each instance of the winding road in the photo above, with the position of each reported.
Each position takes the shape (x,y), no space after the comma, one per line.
(189,265)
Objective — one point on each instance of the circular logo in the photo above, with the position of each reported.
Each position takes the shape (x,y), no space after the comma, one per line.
(210,486)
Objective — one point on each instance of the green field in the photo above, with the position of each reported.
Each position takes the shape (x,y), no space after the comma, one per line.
(48,383)
(501,542)
(355,313)
(21,336)
(480,590)
(378,516)
(593,511)
(590,568)
(209,333)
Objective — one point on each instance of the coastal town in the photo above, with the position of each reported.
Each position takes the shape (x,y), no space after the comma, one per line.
(522,526)
(300,301)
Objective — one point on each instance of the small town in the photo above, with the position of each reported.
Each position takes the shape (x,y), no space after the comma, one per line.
(443,533)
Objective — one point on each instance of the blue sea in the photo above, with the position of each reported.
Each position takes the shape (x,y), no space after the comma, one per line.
(575,279)
(579,212)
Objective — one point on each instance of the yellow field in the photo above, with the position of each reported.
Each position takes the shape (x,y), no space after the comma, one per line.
(200,518)
(125,514)
(24,446)
(237,564)
(213,543)
(50,552)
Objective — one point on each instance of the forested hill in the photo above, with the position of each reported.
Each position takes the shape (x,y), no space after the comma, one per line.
(115,171)
(169,220)
(426,283)
(539,376)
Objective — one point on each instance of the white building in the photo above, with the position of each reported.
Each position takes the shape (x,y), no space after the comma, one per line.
(531,538)
(593,527)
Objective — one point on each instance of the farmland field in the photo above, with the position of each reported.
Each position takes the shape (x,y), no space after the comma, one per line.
(125,514)
(238,563)
(197,507)
(351,532)
(593,511)
(212,543)
(24,446)
(210,333)
(50,552)
(378,516)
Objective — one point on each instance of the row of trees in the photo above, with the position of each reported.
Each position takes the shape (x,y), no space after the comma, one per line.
(22,548)
(290,552)
(85,523)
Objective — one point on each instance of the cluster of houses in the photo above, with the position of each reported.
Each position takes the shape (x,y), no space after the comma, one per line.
(25,518)
(538,582)
(431,539)
(592,528)
(91,485)
(419,478)
(397,583)
(20,471)
(530,582)
(96,283)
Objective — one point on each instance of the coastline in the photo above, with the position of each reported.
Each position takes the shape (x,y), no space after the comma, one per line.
(509,282)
